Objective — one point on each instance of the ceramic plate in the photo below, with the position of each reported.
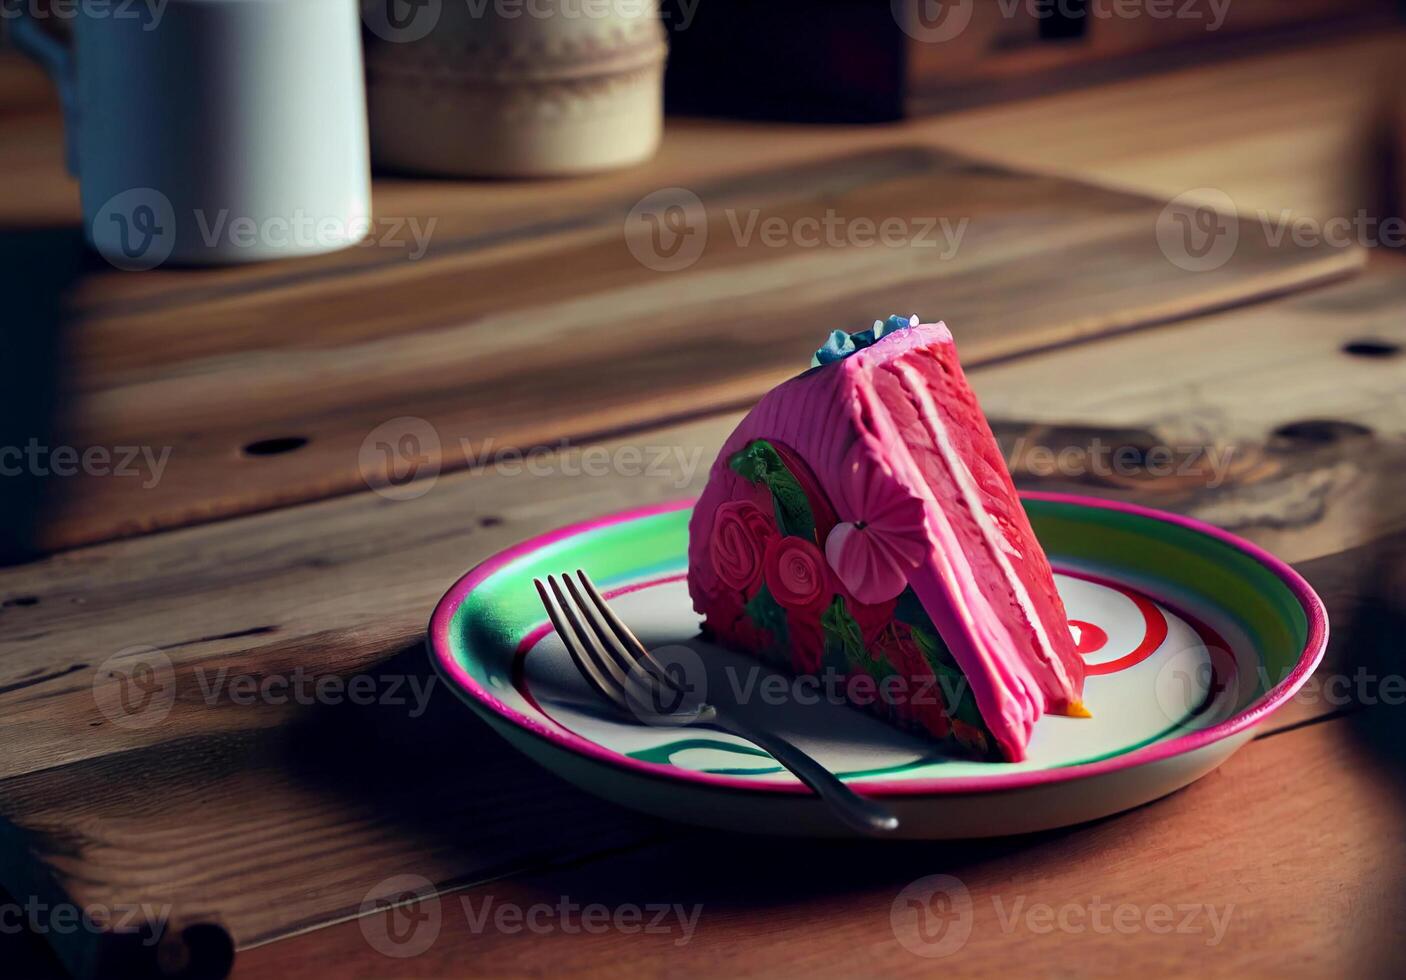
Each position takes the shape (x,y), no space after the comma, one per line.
(1192,637)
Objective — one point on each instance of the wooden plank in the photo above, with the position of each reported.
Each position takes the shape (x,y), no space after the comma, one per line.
(264,825)
(343,588)
(1291,459)
(1287,861)
(517,334)
(1290,130)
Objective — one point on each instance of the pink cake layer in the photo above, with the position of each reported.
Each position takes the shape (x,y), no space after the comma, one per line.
(985,583)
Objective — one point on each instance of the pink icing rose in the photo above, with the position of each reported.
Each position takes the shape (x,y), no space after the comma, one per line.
(741,532)
(796,575)
(883,536)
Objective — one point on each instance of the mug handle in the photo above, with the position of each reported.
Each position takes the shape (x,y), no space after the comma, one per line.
(56,58)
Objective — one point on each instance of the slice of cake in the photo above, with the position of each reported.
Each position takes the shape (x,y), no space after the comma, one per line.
(860,523)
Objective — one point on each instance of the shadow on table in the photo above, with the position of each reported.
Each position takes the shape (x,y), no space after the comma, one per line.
(1369,644)
(37,268)
(446,781)
(25,954)
(448,778)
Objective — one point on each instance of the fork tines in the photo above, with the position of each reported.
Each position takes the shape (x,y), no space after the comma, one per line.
(605,651)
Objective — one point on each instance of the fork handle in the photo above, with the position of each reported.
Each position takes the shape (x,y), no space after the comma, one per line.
(855,811)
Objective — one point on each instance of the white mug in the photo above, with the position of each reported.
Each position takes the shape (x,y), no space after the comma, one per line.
(212,132)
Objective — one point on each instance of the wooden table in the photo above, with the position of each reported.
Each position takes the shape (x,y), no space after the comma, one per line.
(270,546)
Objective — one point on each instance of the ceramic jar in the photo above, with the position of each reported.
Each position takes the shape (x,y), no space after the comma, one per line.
(513,88)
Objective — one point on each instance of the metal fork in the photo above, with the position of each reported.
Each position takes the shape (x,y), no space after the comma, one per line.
(633,681)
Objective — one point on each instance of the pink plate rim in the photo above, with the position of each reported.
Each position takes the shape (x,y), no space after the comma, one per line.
(480,697)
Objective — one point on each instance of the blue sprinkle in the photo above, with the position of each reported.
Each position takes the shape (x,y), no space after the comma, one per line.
(839,346)
(842,345)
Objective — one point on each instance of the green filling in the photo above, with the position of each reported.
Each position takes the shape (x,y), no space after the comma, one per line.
(956,692)
(760,463)
(843,634)
(767,614)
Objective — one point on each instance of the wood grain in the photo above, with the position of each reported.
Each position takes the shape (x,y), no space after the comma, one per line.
(1286,130)
(313,357)
(1262,868)
(344,586)
(187,812)
(1296,462)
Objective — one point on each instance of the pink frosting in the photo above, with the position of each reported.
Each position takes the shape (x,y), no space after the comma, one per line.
(883,536)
